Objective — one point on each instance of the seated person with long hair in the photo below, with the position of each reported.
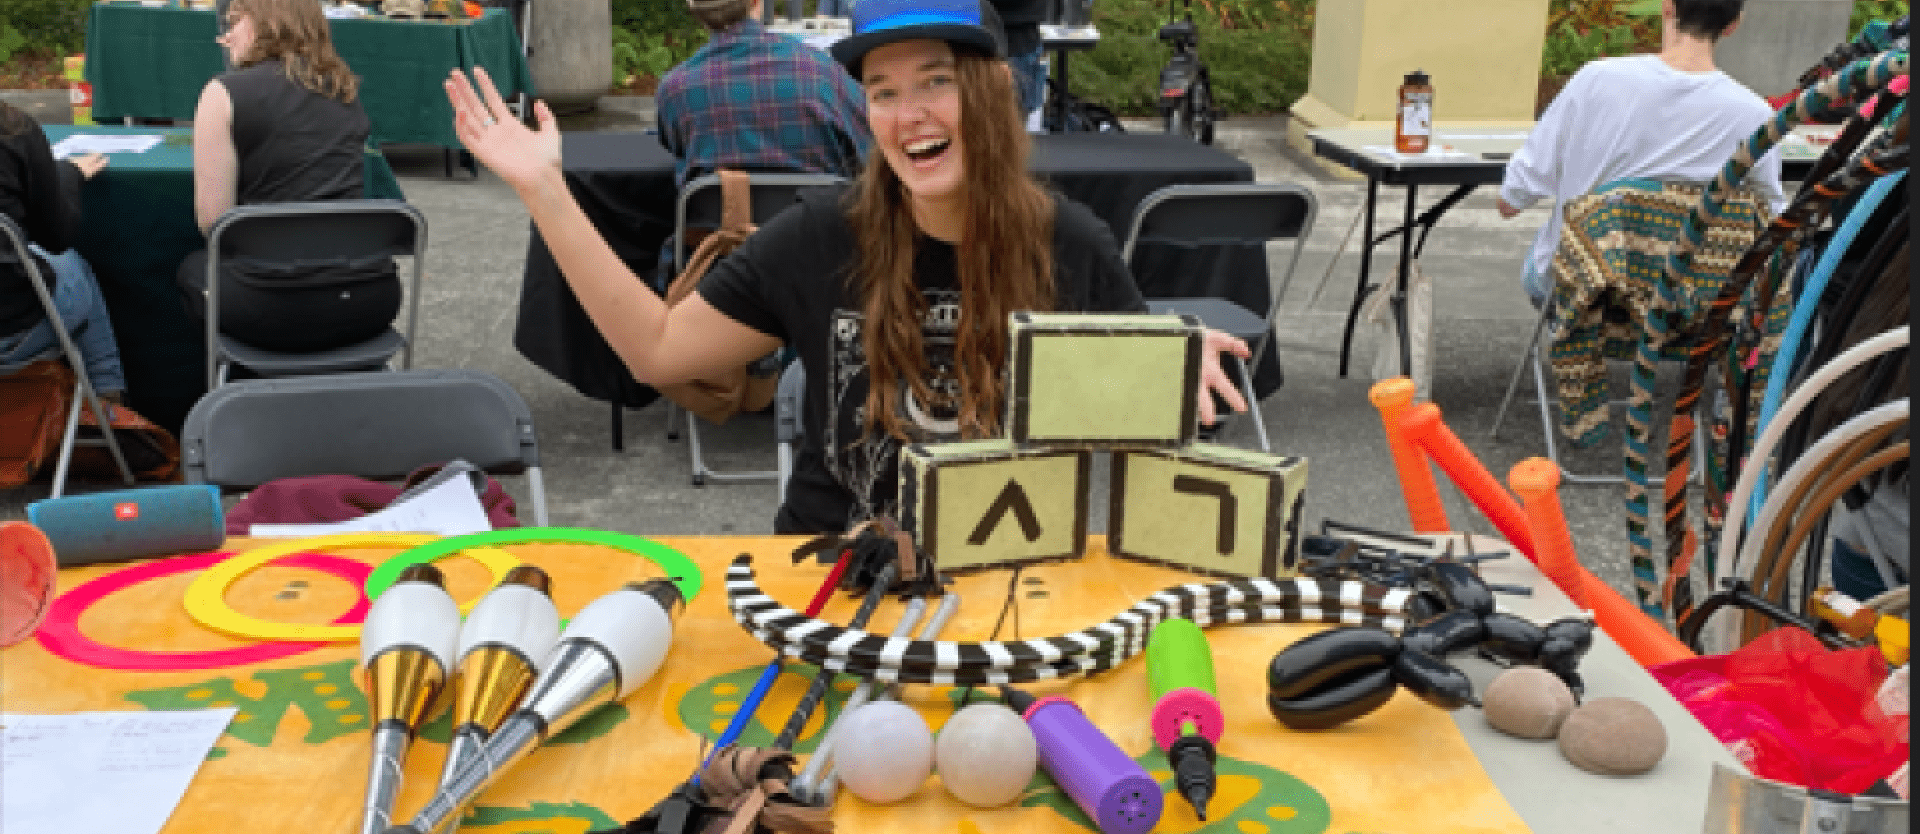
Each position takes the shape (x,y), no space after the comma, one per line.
(284,126)
(42,195)
(894,290)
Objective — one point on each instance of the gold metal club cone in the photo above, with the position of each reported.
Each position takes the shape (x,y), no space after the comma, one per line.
(402,684)
(488,685)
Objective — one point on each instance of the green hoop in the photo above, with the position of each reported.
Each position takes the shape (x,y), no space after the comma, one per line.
(687,576)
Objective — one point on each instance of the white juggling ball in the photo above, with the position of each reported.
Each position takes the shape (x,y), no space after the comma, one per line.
(883,751)
(986,755)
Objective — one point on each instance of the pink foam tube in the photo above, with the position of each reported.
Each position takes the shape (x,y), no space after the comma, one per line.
(1423,426)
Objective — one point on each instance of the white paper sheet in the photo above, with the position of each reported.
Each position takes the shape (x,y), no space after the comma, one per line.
(1434,153)
(450,508)
(85,143)
(101,772)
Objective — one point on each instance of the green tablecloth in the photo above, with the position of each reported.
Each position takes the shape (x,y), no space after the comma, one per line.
(152,62)
(138,225)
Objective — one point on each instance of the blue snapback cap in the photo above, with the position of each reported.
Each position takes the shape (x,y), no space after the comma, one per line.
(876,23)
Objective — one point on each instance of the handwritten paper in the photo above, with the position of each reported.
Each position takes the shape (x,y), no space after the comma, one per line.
(80,144)
(101,772)
(448,508)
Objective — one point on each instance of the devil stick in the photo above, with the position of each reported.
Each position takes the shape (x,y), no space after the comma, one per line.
(802,784)
(609,649)
(503,645)
(1111,788)
(761,687)
(948,604)
(1186,718)
(406,648)
(818,689)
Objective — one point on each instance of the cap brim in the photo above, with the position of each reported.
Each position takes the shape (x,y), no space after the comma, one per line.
(849,50)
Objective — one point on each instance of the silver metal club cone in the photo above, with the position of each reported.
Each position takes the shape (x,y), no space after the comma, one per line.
(383,776)
(580,678)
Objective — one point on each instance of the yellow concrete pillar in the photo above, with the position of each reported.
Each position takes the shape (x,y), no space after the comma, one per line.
(1483,57)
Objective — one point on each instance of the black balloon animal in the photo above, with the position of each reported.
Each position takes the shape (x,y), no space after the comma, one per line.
(1341,674)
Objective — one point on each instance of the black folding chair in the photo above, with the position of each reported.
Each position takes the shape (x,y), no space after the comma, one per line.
(1227,214)
(327,231)
(699,209)
(380,426)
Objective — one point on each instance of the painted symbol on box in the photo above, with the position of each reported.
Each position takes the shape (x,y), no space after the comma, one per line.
(1012,499)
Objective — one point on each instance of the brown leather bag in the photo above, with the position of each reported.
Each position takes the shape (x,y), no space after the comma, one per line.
(33,411)
(716,399)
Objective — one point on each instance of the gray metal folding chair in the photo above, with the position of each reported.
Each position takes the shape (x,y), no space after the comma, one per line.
(83,393)
(320,231)
(788,425)
(379,425)
(699,208)
(1227,214)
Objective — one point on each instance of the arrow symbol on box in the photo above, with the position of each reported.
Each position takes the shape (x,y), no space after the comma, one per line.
(1012,498)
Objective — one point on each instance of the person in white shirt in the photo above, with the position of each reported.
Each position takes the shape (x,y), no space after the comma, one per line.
(1669,116)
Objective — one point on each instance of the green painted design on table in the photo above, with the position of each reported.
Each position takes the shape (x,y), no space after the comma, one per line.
(708,707)
(538,818)
(672,563)
(326,694)
(1251,798)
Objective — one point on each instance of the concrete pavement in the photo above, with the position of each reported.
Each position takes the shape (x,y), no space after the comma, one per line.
(478,235)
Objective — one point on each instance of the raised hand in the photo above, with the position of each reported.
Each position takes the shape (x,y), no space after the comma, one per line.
(1214,377)
(488,128)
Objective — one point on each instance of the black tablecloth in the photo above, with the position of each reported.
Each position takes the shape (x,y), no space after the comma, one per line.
(624,181)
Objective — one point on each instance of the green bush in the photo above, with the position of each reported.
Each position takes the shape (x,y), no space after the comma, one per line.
(50,27)
(1866,10)
(654,32)
(10,41)
(1259,66)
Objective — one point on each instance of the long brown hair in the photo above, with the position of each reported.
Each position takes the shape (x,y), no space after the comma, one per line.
(1005,260)
(296,32)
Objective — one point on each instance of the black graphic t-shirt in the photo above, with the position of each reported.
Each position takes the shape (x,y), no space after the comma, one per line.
(790,280)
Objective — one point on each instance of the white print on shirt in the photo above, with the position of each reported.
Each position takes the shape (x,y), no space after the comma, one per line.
(860,463)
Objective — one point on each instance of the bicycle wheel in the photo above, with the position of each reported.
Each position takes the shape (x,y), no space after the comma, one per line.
(1200,111)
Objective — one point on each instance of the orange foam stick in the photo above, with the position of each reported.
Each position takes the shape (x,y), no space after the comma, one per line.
(1422,425)
(1537,482)
(1392,397)
(1642,637)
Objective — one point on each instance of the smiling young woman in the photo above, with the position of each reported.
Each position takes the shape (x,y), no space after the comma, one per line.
(894,291)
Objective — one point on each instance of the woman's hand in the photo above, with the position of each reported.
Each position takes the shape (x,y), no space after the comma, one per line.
(89,164)
(492,134)
(1213,376)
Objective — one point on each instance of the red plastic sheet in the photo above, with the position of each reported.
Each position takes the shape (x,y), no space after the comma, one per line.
(1794,711)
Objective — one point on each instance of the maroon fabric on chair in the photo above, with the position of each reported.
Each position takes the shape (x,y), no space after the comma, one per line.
(329,498)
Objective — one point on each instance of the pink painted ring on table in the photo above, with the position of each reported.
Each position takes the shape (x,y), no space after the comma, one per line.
(60,633)
(28,577)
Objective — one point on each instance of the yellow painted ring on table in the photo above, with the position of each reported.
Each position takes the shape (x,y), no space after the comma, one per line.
(207,597)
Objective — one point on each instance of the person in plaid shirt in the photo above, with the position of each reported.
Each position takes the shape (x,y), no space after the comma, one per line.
(758,100)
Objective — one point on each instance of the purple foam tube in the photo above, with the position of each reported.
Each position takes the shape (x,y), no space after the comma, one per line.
(1109,786)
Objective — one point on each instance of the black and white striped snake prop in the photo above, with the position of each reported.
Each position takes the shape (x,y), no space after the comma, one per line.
(1088,651)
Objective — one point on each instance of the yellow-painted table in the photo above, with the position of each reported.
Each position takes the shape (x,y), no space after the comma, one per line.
(294,760)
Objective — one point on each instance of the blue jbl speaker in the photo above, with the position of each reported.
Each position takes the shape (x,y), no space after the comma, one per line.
(131,523)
